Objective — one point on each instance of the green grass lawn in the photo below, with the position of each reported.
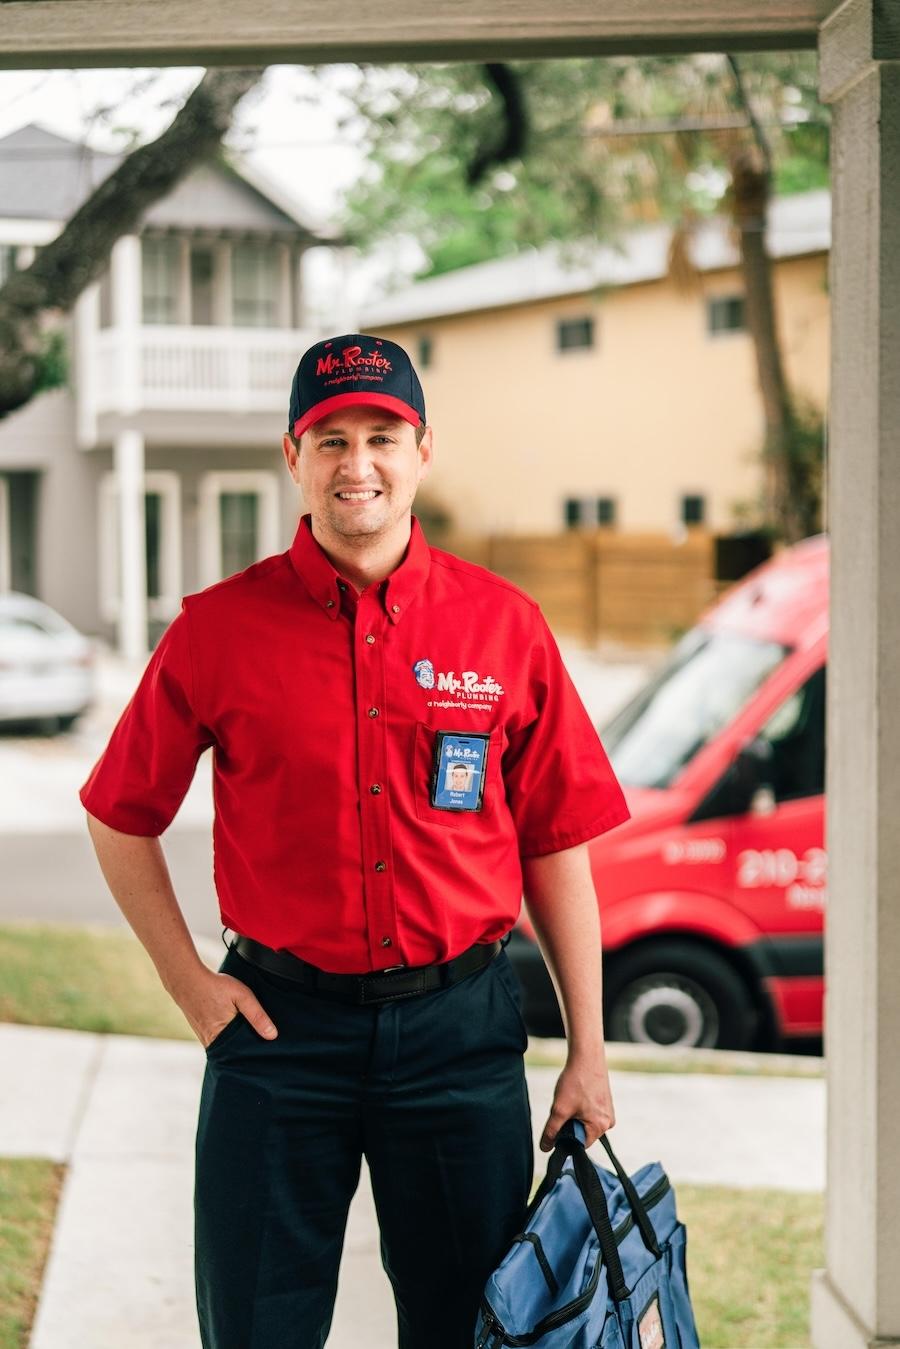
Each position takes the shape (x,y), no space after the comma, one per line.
(29,1190)
(93,979)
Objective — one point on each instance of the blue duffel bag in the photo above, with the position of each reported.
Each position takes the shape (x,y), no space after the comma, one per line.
(599,1264)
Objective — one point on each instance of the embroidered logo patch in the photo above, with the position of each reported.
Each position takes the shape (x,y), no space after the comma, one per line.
(466,689)
(650,1328)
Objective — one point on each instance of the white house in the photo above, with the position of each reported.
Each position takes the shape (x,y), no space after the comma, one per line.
(180,362)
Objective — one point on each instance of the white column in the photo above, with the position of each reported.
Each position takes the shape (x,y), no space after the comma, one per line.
(855,1299)
(185,298)
(125,279)
(86,321)
(129,469)
(285,286)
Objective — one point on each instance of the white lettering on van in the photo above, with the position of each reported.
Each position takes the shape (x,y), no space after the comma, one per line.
(694,850)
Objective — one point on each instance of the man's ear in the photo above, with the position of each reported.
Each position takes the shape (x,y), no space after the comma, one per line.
(426,453)
(291,456)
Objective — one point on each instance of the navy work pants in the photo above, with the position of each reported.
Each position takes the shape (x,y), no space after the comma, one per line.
(431,1088)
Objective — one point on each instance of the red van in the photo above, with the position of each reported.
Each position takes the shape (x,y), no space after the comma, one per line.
(712,896)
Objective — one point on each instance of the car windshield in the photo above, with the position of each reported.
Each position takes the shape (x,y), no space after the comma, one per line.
(703,684)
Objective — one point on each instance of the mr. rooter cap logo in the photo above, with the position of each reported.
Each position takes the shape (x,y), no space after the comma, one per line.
(353,359)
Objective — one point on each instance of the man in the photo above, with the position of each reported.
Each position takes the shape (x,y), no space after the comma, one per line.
(366,1004)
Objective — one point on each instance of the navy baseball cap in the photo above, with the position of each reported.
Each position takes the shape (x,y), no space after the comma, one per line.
(340,372)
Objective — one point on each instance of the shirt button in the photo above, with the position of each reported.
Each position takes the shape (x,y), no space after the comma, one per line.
(329,604)
(381,866)
(342,585)
(395,608)
(373,711)
(375,789)
(370,639)
(386,941)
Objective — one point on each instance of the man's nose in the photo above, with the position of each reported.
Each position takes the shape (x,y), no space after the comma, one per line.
(356,461)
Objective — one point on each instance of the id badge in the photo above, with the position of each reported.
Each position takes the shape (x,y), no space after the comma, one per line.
(458,773)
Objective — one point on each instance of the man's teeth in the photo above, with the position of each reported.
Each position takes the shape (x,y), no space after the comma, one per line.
(358,496)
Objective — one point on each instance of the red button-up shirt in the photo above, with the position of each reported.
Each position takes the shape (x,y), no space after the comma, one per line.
(321,706)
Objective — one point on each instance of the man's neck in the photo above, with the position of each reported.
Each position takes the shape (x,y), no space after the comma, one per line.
(365,559)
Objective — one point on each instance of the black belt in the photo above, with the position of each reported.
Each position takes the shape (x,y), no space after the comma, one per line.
(376,985)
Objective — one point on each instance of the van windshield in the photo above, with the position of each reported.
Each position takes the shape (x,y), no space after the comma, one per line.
(703,684)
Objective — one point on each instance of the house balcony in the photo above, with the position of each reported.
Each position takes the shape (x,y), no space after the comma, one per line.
(166,367)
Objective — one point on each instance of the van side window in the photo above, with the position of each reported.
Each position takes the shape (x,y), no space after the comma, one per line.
(796,733)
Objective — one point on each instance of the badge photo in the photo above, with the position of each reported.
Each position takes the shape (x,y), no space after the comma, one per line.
(458,771)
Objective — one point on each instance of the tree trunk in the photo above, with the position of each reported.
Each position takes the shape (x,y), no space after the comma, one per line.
(750,201)
(78,255)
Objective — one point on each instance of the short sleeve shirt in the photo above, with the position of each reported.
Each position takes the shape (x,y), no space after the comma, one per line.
(382,761)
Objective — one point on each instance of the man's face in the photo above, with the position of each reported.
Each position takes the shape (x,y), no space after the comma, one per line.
(359,469)
(458,779)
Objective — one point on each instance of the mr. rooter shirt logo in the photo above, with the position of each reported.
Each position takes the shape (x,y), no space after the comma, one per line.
(352,364)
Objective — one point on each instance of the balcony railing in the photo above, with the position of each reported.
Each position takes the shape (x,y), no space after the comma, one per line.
(196,369)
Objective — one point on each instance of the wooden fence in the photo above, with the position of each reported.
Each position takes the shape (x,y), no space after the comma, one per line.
(592,584)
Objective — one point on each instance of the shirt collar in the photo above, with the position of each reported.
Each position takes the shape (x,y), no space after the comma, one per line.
(318,574)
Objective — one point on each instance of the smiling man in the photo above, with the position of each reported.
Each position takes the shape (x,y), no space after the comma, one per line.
(365,1005)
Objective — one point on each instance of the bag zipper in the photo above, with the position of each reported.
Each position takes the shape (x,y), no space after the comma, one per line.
(550,1322)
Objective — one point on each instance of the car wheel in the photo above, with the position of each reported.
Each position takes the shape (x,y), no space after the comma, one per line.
(674,993)
(67,722)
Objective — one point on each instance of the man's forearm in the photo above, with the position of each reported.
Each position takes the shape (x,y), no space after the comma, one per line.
(562,906)
(136,872)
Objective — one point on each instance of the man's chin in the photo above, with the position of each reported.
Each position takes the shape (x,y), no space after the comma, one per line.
(363,524)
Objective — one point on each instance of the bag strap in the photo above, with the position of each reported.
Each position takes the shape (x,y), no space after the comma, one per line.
(641,1216)
(569,1141)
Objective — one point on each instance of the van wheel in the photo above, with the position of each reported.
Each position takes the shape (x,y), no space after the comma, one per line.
(673,993)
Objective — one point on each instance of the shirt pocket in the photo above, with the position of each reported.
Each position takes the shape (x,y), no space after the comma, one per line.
(422,768)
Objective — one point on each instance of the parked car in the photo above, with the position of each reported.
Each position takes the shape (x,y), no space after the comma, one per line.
(47,673)
(712,896)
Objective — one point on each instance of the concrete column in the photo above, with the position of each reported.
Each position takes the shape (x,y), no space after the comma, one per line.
(128,455)
(855,1299)
(125,277)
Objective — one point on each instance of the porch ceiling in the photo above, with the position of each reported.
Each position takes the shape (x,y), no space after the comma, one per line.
(49,33)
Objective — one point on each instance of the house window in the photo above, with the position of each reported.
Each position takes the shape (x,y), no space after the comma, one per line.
(202,272)
(725,314)
(255,285)
(238,530)
(585,512)
(162,544)
(426,351)
(238,521)
(693,510)
(574,334)
(160,261)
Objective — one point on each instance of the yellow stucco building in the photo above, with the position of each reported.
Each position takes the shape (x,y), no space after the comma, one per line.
(605,393)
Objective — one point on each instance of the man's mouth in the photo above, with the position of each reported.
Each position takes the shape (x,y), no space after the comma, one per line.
(369,495)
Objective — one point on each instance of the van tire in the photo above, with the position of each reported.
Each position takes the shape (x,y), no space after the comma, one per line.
(676,993)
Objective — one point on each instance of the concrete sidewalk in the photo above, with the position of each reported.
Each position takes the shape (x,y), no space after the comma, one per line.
(121,1112)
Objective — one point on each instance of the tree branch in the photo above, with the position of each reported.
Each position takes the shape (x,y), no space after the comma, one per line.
(514,136)
(78,255)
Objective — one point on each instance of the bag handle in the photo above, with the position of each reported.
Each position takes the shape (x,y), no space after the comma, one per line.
(569,1141)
